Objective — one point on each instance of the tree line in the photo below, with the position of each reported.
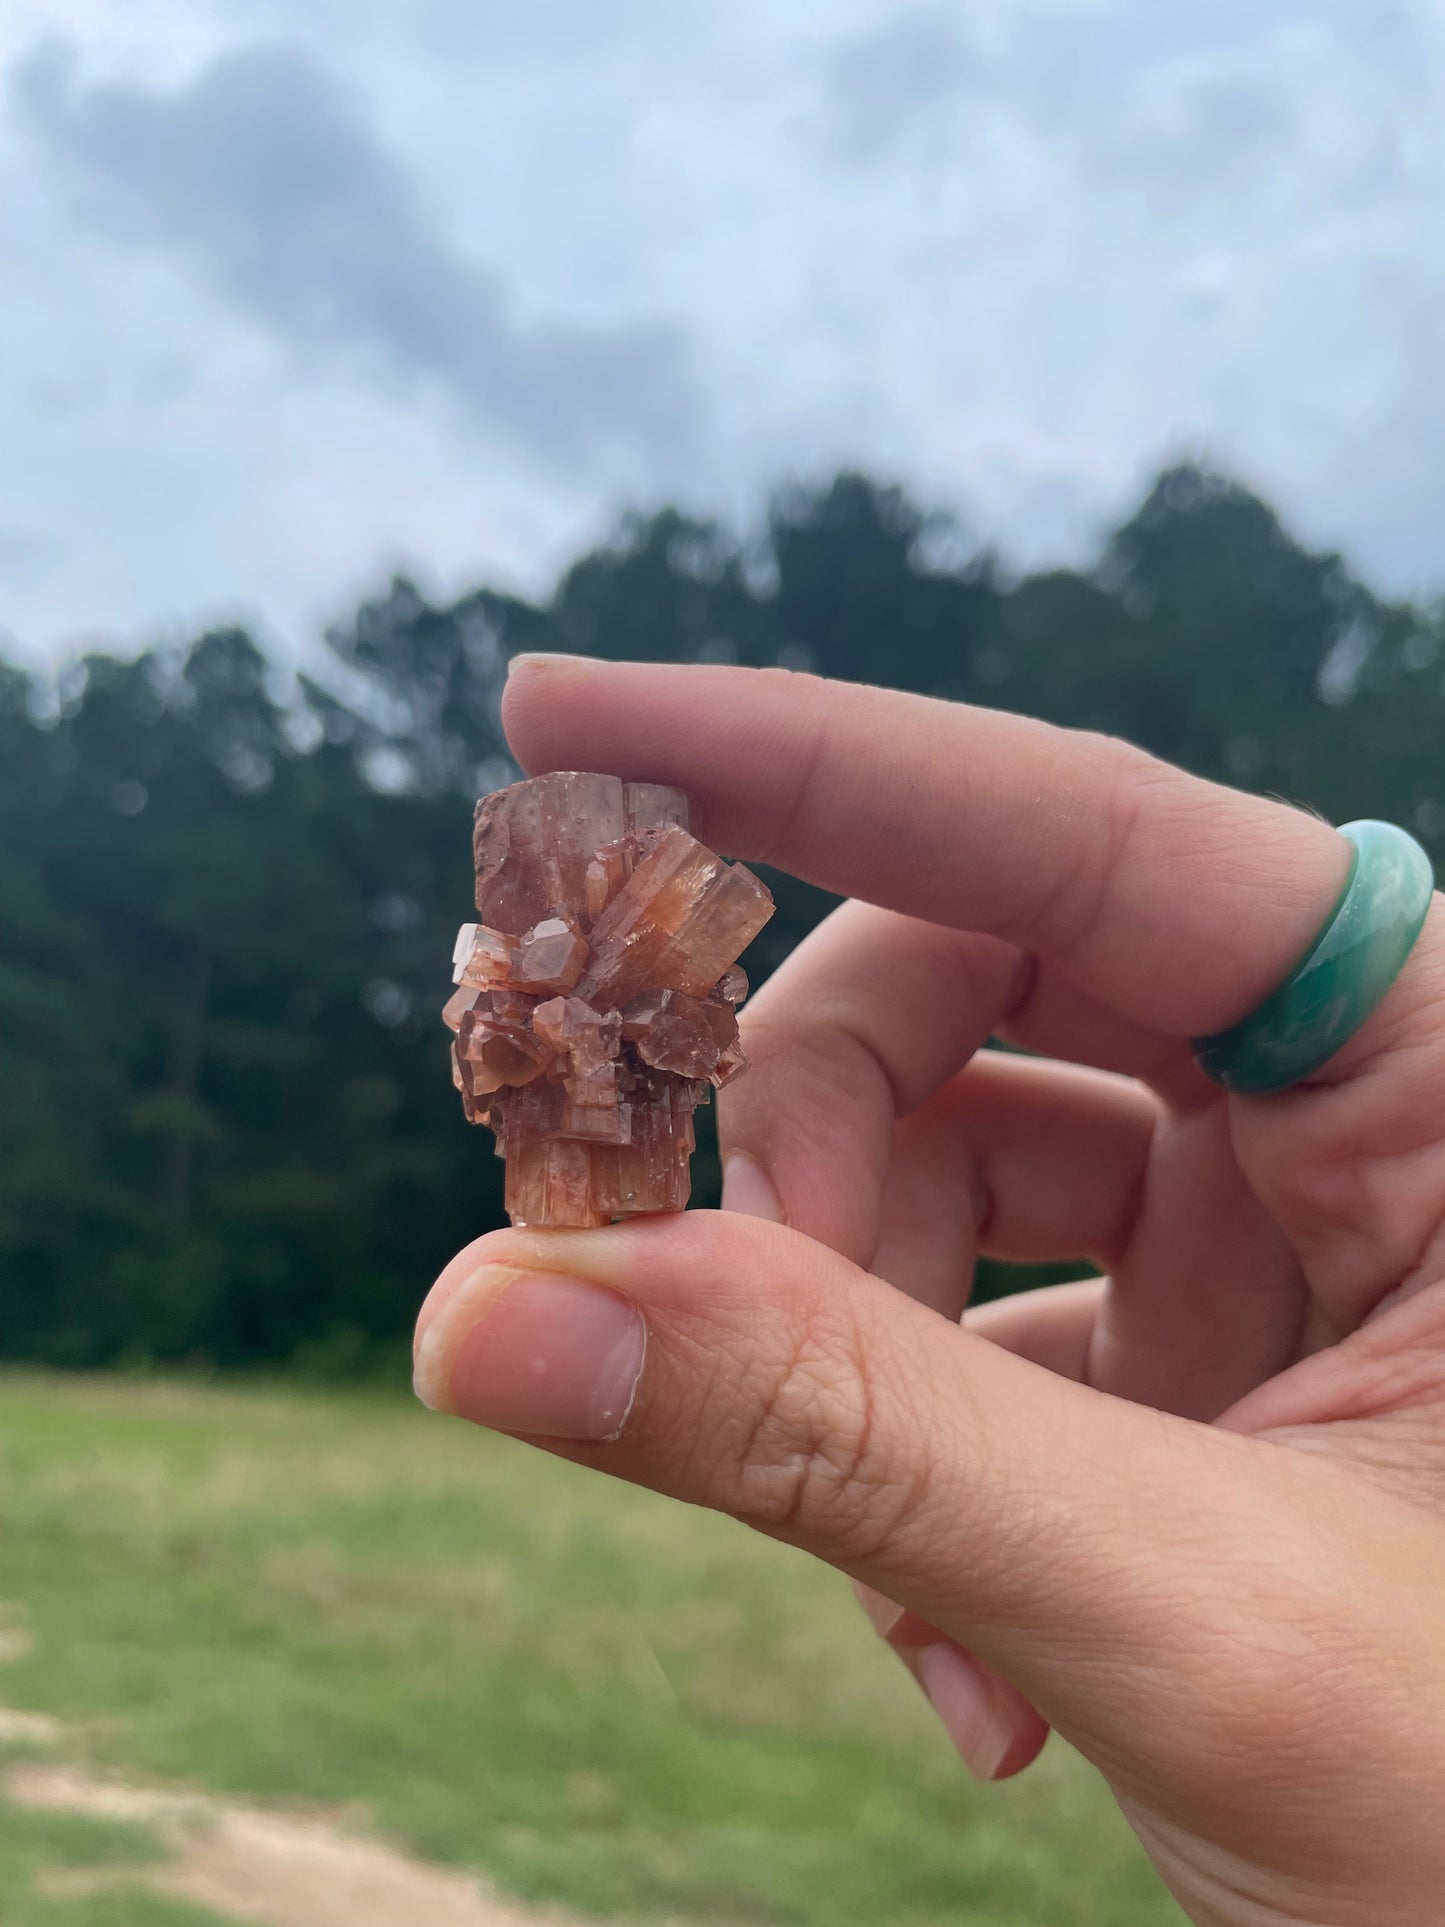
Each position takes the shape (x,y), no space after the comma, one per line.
(228,894)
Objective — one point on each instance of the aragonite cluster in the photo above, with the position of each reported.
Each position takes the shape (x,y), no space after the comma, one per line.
(596,1001)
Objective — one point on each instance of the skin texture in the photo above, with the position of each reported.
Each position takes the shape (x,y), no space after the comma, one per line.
(1192,1514)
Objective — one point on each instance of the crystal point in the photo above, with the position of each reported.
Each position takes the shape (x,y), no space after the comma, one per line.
(587,1042)
(678,1033)
(482,957)
(551,957)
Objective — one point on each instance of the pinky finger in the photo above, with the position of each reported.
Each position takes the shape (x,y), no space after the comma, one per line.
(995,1731)
(1053,1327)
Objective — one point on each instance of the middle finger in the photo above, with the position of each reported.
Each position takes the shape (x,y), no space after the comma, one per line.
(870,1015)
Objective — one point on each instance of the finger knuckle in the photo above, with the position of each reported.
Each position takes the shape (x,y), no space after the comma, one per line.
(1398,1050)
(811,1459)
(1074,903)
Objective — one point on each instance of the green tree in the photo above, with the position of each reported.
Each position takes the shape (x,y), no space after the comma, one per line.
(227,900)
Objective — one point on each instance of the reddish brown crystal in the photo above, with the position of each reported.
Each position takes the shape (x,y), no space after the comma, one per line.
(587,1041)
(677,923)
(457,1006)
(551,956)
(481,957)
(732,986)
(493,1052)
(675,1032)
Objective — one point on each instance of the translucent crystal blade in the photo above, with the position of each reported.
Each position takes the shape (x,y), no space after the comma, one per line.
(532,844)
(679,921)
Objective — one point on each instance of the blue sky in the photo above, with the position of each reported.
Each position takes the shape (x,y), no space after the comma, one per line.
(293,292)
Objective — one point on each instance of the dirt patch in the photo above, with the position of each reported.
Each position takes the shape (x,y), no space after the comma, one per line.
(273,1869)
(16,1641)
(16,1725)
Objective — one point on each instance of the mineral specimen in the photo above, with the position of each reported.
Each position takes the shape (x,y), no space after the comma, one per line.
(587,1039)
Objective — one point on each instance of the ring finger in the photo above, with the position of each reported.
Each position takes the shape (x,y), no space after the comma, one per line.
(1015,1158)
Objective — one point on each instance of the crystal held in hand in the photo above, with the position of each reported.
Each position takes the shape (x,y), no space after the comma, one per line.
(596,1002)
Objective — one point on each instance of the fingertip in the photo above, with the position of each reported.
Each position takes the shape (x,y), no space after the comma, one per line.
(468,1261)
(537,1354)
(543,660)
(994,1730)
(748,1191)
(1029,1743)
(673,1254)
(882,1613)
(537,703)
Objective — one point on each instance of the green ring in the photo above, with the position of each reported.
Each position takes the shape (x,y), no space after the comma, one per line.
(1342,976)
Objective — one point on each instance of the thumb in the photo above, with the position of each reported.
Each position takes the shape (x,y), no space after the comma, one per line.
(1112,1562)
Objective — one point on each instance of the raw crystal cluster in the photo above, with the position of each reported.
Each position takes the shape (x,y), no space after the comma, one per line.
(596,1001)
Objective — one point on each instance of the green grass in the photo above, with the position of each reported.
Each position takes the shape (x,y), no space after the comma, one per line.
(34,1845)
(637,1711)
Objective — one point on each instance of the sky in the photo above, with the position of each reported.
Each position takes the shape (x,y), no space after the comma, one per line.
(294,293)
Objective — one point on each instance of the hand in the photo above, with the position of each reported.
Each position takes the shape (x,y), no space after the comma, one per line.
(1192,1513)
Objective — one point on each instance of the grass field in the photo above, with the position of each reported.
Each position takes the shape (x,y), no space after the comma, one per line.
(336,1602)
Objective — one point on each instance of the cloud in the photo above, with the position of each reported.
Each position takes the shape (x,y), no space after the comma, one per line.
(1194,134)
(887,83)
(23,553)
(260,177)
(567,33)
(1010,250)
(1145,100)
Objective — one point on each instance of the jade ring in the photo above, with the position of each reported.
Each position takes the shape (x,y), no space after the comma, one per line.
(1341,978)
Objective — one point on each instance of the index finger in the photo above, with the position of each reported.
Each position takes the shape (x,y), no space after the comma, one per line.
(1174,899)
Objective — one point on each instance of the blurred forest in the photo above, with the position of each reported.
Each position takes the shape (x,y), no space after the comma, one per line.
(228,897)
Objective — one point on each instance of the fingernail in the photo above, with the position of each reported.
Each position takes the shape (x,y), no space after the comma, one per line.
(904,1631)
(452,1280)
(533,1352)
(883,1615)
(528,657)
(749,1191)
(962,1696)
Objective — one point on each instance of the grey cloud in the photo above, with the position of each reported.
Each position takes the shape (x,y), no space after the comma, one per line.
(566,34)
(262,178)
(894,80)
(1323,105)
(1125,114)
(1145,97)
(1210,133)
(1380,477)
(24,553)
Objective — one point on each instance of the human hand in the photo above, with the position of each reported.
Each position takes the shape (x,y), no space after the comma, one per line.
(1194,1514)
